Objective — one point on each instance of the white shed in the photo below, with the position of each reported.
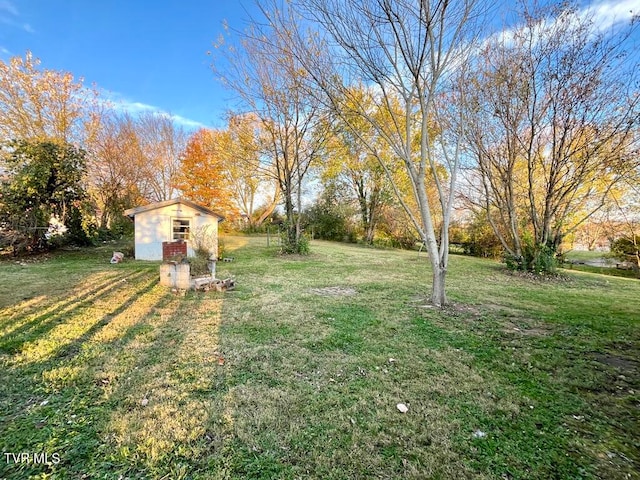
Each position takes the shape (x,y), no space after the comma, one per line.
(172,221)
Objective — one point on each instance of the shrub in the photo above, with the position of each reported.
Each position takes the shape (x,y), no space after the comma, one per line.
(481,241)
(291,246)
(199,265)
(43,182)
(535,258)
(627,249)
(329,219)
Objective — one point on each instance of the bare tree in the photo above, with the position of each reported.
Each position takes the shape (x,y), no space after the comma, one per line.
(114,167)
(263,71)
(406,53)
(552,121)
(161,143)
(249,184)
(132,160)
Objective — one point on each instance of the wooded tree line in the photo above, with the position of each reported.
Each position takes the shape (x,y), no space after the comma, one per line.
(531,129)
(72,163)
(416,121)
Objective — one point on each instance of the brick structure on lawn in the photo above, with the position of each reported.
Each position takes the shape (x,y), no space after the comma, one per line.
(172,249)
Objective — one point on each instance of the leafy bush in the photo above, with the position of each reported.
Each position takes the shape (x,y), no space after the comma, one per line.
(397,240)
(481,241)
(300,247)
(535,258)
(120,227)
(199,265)
(329,219)
(627,249)
(44,183)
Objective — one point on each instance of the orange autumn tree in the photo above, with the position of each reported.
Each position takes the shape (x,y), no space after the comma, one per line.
(202,177)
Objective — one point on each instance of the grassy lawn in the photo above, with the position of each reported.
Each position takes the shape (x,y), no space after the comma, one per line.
(297,373)
(576,259)
(584,255)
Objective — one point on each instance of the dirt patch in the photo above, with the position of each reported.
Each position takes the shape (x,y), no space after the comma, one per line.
(297,257)
(539,278)
(616,361)
(335,291)
(462,309)
(507,319)
(526,330)
(497,318)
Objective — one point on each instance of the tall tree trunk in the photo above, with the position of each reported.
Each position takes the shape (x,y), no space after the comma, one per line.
(370,233)
(104,217)
(636,244)
(290,225)
(365,218)
(270,208)
(438,293)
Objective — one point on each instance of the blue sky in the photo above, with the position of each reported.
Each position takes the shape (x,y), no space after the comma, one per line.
(151,55)
(144,54)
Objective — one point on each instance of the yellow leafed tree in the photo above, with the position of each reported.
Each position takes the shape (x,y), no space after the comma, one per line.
(40,104)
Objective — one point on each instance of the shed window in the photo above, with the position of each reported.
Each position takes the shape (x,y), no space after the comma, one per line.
(180,229)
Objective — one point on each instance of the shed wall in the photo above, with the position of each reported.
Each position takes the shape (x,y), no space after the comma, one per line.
(155,226)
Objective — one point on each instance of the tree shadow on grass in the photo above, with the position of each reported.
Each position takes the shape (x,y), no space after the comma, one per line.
(131,396)
(160,414)
(74,347)
(21,313)
(54,404)
(37,327)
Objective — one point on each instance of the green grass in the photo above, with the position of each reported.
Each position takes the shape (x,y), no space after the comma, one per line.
(297,373)
(609,271)
(584,255)
(576,259)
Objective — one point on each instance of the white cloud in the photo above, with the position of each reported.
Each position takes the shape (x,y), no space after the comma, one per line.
(119,103)
(186,122)
(8,7)
(607,14)
(125,106)
(9,16)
